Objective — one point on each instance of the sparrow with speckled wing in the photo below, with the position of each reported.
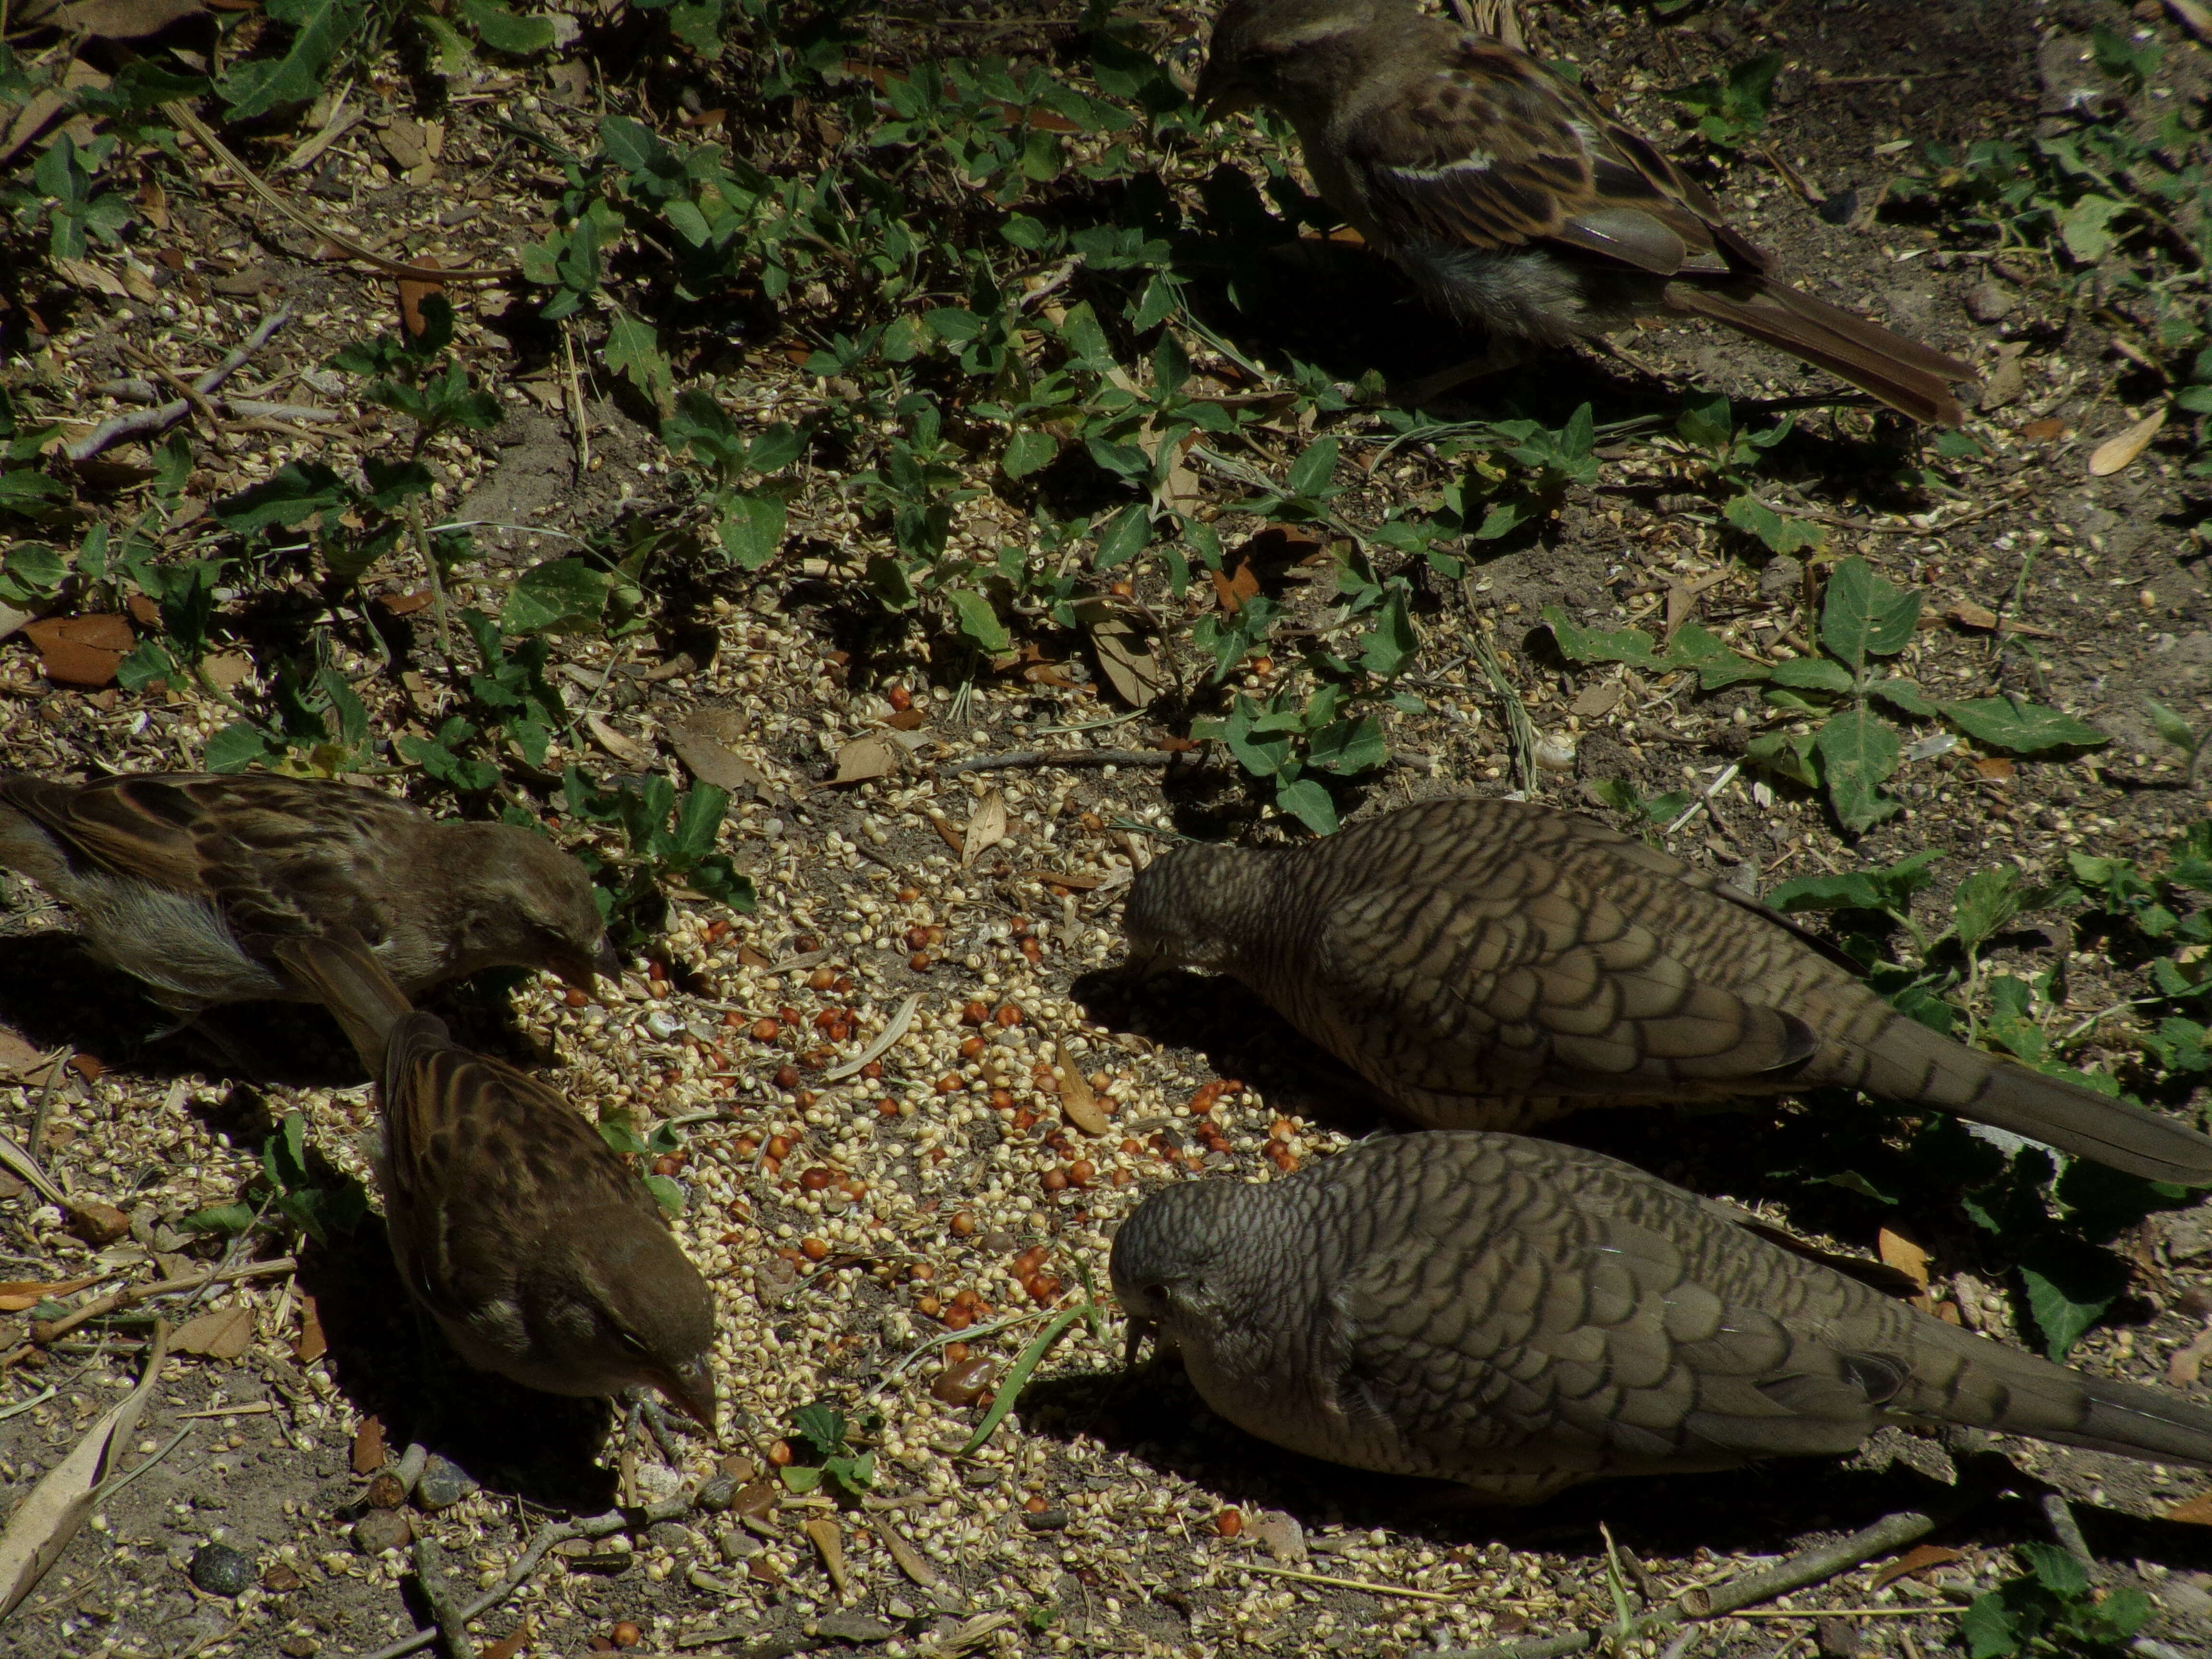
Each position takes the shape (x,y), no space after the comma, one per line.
(1515,203)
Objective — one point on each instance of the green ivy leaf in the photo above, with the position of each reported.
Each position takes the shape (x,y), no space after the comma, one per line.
(753,523)
(503,31)
(2069,1285)
(2025,728)
(1028,451)
(559,596)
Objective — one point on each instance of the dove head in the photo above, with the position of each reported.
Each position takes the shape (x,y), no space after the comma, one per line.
(618,1306)
(1172,1260)
(1290,55)
(1191,908)
(526,903)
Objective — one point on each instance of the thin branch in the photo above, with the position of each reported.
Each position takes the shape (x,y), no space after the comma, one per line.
(152,423)
(1028,759)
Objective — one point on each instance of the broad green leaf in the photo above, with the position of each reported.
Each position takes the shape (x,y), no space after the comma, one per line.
(2087,227)
(752,528)
(1785,756)
(1580,644)
(503,31)
(1028,451)
(235,748)
(979,622)
(1780,534)
(1903,695)
(1699,648)
(1391,645)
(320,30)
(1309,803)
(2070,1284)
(1310,473)
(1984,902)
(1863,615)
(2025,728)
(1346,747)
(560,595)
(633,349)
(1858,753)
(1852,890)
(2170,726)
(1812,674)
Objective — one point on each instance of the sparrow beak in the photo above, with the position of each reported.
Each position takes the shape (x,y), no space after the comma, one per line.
(585,973)
(1220,92)
(692,1387)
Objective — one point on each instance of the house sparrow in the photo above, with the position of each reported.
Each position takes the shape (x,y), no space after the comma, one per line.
(1511,198)
(185,880)
(539,1255)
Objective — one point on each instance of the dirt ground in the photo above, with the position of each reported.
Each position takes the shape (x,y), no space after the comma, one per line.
(890,1242)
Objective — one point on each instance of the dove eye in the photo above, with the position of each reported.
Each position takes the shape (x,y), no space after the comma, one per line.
(630,1342)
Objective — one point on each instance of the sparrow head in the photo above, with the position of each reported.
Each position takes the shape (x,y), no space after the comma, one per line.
(1286,54)
(1182,908)
(618,1305)
(527,903)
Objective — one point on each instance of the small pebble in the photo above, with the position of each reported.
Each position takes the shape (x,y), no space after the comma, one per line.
(443,1485)
(219,1570)
(718,1494)
(381,1530)
(279,1578)
(1046,1520)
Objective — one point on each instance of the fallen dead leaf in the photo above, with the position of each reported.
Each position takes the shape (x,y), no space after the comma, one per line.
(1918,1560)
(1058,878)
(1997,768)
(949,833)
(986,827)
(2118,453)
(865,758)
(1968,614)
(831,1543)
(368,1452)
(44,1522)
(1593,700)
(2198,1512)
(2188,1364)
(413,293)
(223,1334)
(227,669)
(82,651)
(18,1294)
(312,1344)
(1233,591)
(17,1057)
(1902,1254)
(701,743)
(2043,431)
(629,750)
(1130,667)
(1078,1102)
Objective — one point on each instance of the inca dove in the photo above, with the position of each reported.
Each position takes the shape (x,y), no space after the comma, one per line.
(1520,1317)
(540,1255)
(1515,201)
(1490,964)
(184,880)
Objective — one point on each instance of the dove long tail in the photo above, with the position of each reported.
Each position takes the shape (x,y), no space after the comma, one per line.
(349,981)
(1903,1059)
(1909,378)
(1998,1388)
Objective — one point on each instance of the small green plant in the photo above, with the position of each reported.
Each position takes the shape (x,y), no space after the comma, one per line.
(618,1128)
(1729,110)
(2177,732)
(1836,740)
(671,841)
(297,1184)
(2050,1608)
(827,1434)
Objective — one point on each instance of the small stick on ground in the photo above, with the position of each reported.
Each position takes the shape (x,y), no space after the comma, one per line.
(1806,1568)
(152,423)
(2065,1528)
(1519,728)
(1025,759)
(438,1590)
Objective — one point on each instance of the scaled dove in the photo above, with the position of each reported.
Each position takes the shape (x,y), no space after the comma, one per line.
(1520,1317)
(1492,964)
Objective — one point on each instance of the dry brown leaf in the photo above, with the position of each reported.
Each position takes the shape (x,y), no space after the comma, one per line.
(2117,454)
(411,295)
(1995,767)
(1968,614)
(227,670)
(368,1452)
(1079,1103)
(43,1523)
(2198,1512)
(1130,667)
(831,1544)
(312,1344)
(223,1334)
(948,832)
(865,758)
(702,743)
(17,1057)
(1593,702)
(2188,1364)
(629,750)
(1059,878)
(986,827)
(82,651)
(1233,591)
(18,1294)
(1918,1560)
(1902,1254)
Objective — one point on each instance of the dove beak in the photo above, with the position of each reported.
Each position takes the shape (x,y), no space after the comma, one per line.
(1138,1330)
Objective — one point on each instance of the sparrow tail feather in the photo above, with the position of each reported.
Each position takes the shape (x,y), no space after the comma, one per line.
(349,981)
(1910,377)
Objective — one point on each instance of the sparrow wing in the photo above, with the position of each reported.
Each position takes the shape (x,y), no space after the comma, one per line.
(1482,145)
(277,855)
(472,1144)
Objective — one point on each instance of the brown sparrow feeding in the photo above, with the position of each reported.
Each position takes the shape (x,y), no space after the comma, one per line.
(539,1255)
(185,880)
(1514,201)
